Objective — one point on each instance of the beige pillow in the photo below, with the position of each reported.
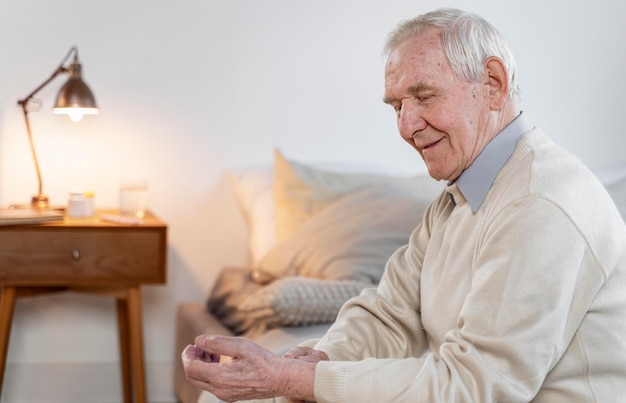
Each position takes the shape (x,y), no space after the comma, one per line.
(301,191)
(350,239)
(253,190)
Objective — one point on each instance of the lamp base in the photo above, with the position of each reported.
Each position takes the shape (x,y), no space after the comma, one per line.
(39,202)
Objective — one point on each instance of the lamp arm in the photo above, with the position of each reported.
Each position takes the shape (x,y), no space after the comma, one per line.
(32,146)
(61,69)
(58,71)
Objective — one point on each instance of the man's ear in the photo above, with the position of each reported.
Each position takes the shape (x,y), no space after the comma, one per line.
(497,82)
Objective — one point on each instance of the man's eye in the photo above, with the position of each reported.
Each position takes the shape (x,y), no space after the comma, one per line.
(397,108)
(424,98)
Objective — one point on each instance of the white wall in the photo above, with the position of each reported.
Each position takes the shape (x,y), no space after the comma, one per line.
(190,89)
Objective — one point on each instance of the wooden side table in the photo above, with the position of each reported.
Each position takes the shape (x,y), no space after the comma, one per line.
(86,255)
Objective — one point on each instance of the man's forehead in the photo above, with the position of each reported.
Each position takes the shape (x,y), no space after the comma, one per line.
(424,45)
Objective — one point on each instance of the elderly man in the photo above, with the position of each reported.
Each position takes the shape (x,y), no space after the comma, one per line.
(511,289)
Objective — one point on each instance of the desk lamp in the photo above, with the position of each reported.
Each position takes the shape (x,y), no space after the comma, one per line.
(74,99)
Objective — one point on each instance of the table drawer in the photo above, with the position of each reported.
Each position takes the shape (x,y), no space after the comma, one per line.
(57,256)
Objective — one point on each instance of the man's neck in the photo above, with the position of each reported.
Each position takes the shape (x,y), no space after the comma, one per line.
(506,115)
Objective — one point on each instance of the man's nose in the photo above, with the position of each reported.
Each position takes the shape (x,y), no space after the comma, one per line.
(410,119)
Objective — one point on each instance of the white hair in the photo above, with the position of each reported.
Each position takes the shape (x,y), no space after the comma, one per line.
(467,40)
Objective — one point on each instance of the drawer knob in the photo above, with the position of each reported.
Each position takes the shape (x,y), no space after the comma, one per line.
(76,255)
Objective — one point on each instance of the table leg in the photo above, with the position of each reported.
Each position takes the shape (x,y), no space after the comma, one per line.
(122,324)
(7,303)
(135,325)
(130,325)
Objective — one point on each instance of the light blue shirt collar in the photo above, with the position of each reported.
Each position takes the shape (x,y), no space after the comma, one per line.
(477,179)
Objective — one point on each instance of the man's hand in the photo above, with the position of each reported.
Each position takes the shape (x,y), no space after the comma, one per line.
(248,372)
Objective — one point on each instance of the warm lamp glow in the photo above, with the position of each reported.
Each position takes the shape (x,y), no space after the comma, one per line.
(76,114)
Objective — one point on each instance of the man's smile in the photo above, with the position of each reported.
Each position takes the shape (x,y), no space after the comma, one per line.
(427,146)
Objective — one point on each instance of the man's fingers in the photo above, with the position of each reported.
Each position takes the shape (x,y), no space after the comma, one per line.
(195,353)
(195,362)
(226,345)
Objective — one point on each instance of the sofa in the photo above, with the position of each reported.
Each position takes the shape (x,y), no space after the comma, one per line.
(318,235)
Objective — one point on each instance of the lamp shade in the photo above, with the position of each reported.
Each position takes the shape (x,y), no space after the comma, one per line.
(75,98)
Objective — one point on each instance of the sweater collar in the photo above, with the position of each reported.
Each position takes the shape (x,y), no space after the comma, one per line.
(475,182)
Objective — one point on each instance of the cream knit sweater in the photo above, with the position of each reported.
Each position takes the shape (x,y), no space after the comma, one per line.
(524,300)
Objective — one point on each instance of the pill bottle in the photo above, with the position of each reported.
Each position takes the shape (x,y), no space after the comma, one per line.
(89,204)
(76,204)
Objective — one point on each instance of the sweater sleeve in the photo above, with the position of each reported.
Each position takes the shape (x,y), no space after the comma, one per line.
(521,311)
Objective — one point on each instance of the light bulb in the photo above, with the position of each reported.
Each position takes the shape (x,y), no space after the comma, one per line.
(76,115)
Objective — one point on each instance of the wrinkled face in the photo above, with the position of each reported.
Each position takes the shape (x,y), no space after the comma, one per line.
(442,116)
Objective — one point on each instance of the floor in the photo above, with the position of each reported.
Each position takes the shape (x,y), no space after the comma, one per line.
(80,383)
